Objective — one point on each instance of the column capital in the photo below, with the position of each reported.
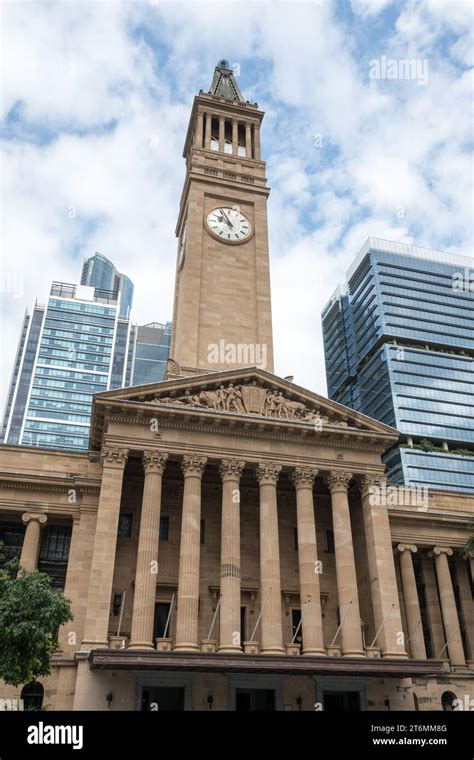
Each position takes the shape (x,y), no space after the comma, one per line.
(268,473)
(339,480)
(372,481)
(193,465)
(438,550)
(303,477)
(114,455)
(154,461)
(407,547)
(231,469)
(37,516)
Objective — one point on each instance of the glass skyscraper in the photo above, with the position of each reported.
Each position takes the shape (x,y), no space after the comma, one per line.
(72,349)
(151,344)
(99,272)
(399,347)
(80,343)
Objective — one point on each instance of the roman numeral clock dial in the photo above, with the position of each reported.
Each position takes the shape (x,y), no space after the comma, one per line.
(229,225)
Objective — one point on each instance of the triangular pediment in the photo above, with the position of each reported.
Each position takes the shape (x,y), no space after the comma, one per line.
(251,392)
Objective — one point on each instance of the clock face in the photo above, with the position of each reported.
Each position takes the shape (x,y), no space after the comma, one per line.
(229,224)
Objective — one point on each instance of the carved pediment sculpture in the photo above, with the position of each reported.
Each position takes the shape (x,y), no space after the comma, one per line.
(250,399)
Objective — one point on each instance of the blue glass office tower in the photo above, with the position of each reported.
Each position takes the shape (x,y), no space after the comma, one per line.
(399,346)
(77,346)
(151,344)
(80,343)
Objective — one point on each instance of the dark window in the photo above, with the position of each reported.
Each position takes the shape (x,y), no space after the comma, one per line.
(11,540)
(203,531)
(54,553)
(125,526)
(295,622)
(32,695)
(447,700)
(164,528)
(295,538)
(330,541)
(162,610)
(243,611)
(341,701)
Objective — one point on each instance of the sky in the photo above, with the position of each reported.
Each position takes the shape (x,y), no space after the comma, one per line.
(96,98)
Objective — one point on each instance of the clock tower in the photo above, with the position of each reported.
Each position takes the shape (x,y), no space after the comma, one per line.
(222,308)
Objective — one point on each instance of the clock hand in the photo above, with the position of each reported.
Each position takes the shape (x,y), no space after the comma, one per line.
(226,218)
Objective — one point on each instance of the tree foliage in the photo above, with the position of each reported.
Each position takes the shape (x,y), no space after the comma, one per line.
(30,611)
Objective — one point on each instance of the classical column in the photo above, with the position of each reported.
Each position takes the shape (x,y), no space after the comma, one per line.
(448,606)
(433,609)
(235,137)
(351,633)
(188,583)
(248,141)
(143,616)
(383,580)
(207,138)
(114,460)
(221,134)
(467,607)
(312,625)
(270,583)
(199,130)
(32,540)
(256,140)
(230,633)
(412,604)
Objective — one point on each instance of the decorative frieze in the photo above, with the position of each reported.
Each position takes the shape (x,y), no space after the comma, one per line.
(251,398)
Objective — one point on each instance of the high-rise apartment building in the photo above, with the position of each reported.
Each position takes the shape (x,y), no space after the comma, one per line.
(80,343)
(399,346)
(73,347)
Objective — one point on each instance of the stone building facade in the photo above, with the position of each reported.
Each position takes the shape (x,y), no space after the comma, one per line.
(233,542)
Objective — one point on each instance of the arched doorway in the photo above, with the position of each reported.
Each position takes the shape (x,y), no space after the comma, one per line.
(447,700)
(32,695)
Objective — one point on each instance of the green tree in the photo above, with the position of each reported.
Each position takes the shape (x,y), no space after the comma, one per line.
(29,613)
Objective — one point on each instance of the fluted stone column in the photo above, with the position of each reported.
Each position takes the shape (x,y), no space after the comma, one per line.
(448,606)
(467,607)
(351,634)
(383,580)
(312,624)
(412,604)
(199,130)
(235,137)
(230,633)
(221,134)
(270,582)
(188,583)
(32,540)
(248,141)
(143,615)
(433,608)
(207,138)
(114,460)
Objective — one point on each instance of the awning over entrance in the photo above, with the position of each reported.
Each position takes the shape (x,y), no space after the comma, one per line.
(108,659)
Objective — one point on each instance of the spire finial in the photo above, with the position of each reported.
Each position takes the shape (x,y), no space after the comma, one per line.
(224,84)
